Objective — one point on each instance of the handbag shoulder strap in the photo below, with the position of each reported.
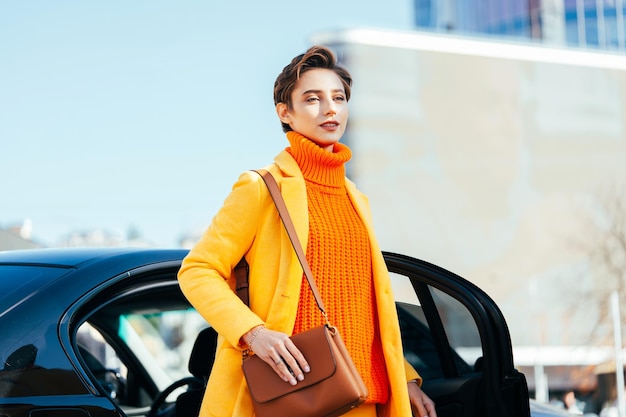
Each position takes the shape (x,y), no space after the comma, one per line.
(272,186)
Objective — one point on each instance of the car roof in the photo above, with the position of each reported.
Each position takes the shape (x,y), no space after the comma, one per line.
(74,257)
(30,273)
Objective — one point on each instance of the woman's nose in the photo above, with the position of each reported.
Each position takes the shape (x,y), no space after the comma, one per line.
(331,110)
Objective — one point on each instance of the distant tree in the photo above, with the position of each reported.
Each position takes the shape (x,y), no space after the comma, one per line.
(605,243)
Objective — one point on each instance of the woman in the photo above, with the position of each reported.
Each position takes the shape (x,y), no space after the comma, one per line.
(333,223)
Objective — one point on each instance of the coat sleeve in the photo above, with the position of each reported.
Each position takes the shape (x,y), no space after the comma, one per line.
(205,275)
(411,373)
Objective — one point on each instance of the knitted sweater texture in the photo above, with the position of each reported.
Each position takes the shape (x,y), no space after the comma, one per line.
(339,254)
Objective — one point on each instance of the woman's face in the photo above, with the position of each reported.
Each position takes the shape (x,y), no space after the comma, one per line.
(319,107)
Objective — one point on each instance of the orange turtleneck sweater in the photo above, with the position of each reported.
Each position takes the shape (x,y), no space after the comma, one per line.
(339,254)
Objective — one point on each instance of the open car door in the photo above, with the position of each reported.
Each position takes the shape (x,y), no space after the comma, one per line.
(456,337)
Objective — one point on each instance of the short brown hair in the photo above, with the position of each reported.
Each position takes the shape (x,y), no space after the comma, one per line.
(314,57)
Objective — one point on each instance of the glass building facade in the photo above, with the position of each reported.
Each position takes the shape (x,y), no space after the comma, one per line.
(597,24)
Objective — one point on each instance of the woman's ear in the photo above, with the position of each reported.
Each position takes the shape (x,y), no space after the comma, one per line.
(283,113)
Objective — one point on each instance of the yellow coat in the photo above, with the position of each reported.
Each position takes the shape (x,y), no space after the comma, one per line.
(249,225)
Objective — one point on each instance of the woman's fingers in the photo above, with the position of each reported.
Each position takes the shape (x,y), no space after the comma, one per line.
(421,404)
(295,360)
(283,372)
(277,349)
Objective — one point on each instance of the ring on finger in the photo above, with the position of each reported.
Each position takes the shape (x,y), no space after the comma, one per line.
(278,362)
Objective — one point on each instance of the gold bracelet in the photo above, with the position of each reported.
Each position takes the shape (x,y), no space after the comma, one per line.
(254,335)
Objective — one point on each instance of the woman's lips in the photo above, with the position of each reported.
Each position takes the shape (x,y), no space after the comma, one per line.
(330,125)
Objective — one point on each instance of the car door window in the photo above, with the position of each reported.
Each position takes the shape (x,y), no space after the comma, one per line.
(461,332)
(455,331)
(162,341)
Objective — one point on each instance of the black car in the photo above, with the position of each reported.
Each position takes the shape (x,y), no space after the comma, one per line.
(107,332)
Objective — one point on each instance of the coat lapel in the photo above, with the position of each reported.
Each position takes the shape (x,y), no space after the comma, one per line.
(282,313)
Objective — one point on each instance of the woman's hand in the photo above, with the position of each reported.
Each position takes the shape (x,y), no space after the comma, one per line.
(277,350)
(421,405)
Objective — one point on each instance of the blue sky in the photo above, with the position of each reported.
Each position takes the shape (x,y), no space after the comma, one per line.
(119,114)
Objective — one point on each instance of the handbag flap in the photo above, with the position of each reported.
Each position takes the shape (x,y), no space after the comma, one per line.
(265,385)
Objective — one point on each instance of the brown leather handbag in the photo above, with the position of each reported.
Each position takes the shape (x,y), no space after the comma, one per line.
(334,386)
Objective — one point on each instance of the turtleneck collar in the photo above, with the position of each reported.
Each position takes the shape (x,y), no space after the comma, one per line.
(318,165)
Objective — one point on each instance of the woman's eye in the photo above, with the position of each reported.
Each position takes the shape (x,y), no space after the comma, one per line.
(340,98)
(312,99)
